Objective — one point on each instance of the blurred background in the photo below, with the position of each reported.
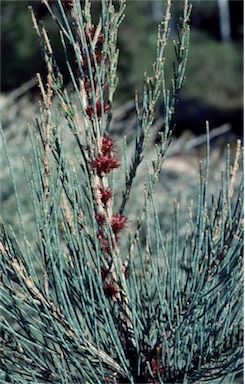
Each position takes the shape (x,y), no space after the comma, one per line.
(214,87)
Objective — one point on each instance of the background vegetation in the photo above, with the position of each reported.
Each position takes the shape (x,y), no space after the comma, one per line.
(214,69)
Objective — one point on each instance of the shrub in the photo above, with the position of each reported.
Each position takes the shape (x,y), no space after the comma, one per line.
(101,298)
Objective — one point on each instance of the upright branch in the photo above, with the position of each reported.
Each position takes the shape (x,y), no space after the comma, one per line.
(153,87)
(95,82)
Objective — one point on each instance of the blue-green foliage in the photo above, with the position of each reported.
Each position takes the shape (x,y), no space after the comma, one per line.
(80,305)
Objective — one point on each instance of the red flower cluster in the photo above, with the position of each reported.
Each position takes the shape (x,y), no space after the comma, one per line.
(105,162)
(100,218)
(106,194)
(91,112)
(110,289)
(118,223)
(107,145)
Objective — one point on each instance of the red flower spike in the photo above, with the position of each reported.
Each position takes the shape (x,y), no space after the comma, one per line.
(107,145)
(118,223)
(100,218)
(90,109)
(106,194)
(110,289)
(104,164)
